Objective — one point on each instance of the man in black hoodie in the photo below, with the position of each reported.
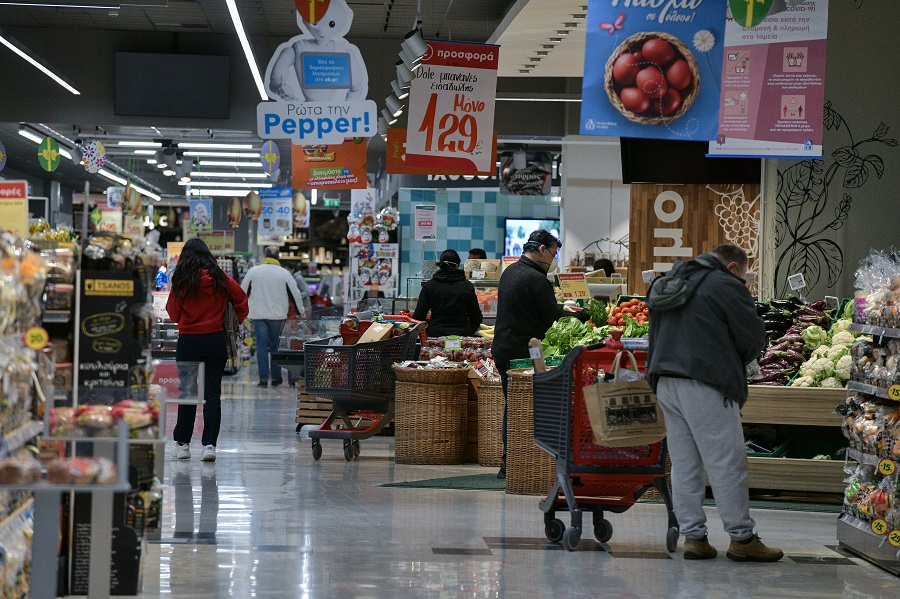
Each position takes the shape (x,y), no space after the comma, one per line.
(703,332)
(451,299)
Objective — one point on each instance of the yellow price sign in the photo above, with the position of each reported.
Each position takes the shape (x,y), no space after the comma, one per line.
(893,392)
(886,467)
(894,537)
(37,338)
(879,526)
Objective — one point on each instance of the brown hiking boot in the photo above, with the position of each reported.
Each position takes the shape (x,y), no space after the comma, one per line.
(752,550)
(699,549)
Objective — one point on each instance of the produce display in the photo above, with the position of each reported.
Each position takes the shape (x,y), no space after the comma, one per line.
(471,349)
(628,311)
(485,331)
(569,332)
(878,290)
(142,419)
(877,365)
(829,363)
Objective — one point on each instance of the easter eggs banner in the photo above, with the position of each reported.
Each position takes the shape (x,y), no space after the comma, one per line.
(653,71)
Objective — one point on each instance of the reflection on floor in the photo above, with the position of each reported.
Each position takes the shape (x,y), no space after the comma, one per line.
(266,520)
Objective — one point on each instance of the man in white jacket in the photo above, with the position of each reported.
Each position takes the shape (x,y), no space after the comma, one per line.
(271,290)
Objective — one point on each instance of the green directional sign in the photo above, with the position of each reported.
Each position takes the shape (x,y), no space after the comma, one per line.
(749,13)
(48,154)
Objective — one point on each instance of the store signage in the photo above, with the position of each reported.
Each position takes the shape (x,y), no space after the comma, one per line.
(219,242)
(451,108)
(106,218)
(48,154)
(318,81)
(276,217)
(526,173)
(37,338)
(301,210)
(173,251)
(134,225)
(201,215)
(894,538)
(668,208)
(14,207)
(879,526)
(652,69)
(796,281)
(425,220)
(337,166)
(773,85)
(270,157)
(573,286)
(396,163)
(886,467)
(893,392)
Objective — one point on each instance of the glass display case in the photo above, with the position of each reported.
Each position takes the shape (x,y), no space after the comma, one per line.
(485,291)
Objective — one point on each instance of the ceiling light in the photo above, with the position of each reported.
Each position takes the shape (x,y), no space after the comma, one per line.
(140,144)
(394,105)
(24,53)
(222,154)
(112,176)
(248,51)
(145,152)
(404,75)
(143,191)
(390,118)
(570,25)
(554,40)
(547,46)
(399,91)
(219,192)
(562,32)
(536,58)
(185,180)
(579,16)
(227,175)
(229,184)
(529,66)
(169,172)
(51,5)
(29,134)
(411,63)
(526,71)
(151,161)
(169,157)
(414,44)
(216,146)
(232,164)
(542,53)
(159,156)
(65,152)
(382,126)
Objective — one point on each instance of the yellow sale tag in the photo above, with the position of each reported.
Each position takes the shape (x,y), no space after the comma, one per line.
(37,338)
(886,467)
(894,392)
(879,526)
(894,537)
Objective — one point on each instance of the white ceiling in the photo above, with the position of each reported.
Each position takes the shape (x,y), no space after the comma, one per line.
(526,30)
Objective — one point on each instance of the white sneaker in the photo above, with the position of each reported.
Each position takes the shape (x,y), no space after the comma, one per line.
(209,453)
(182,451)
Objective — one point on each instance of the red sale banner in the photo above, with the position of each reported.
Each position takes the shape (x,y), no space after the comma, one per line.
(398,160)
(451,108)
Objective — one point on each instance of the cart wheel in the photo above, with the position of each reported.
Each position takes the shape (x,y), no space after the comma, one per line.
(603,530)
(348,451)
(672,540)
(571,538)
(316,450)
(554,529)
(355,445)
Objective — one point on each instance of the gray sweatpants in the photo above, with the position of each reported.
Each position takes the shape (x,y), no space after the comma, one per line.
(705,431)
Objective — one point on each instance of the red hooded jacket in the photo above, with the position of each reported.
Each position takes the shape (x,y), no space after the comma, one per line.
(205,313)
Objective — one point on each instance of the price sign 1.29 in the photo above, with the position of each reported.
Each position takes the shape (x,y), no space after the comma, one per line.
(454,133)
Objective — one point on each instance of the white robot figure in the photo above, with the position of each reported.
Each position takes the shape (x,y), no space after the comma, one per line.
(326,67)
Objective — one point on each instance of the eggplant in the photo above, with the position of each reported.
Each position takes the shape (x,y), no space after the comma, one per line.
(762,308)
(775,383)
(781,317)
(791,338)
(782,304)
(764,378)
(808,311)
(818,305)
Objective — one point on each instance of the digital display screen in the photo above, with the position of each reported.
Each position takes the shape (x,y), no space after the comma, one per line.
(518,230)
(326,70)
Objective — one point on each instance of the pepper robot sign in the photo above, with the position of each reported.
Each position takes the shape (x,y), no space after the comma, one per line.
(318,80)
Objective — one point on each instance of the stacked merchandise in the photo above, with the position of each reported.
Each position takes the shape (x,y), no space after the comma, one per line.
(457,349)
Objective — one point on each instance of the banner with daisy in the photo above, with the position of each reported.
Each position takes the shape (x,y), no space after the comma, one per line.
(653,71)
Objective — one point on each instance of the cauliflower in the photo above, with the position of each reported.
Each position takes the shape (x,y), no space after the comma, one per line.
(814,336)
(843,338)
(843,366)
(820,352)
(803,381)
(831,383)
(836,351)
(840,325)
(821,368)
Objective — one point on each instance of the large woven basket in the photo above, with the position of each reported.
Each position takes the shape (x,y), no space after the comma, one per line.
(688,95)
(490,424)
(430,423)
(431,376)
(529,469)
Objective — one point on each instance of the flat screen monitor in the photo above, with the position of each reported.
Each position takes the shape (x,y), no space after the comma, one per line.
(518,230)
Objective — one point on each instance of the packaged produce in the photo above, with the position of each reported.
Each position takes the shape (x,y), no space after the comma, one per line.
(19,471)
(878,289)
(81,471)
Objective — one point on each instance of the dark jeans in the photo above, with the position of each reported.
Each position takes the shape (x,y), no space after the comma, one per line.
(267,333)
(209,349)
(502,367)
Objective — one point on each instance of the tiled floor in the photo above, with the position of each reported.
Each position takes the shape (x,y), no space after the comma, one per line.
(266,520)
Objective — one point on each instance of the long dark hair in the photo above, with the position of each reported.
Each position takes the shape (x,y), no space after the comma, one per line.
(195,258)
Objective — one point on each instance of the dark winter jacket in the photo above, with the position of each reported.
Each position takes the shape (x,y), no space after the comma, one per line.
(526,308)
(450,298)
(713,336)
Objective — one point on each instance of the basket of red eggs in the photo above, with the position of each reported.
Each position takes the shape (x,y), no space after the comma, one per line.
(652,78)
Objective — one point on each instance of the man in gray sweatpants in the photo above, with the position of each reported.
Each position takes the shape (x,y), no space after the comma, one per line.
(704,332)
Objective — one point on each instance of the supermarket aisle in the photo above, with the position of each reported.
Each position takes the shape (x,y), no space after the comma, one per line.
(266,520)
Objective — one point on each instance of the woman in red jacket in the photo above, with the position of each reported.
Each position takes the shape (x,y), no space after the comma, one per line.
(200,293)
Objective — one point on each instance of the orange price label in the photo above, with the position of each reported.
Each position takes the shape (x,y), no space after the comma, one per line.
(879,526)
(894,537)
(894,392)
(37,338)
(886,467)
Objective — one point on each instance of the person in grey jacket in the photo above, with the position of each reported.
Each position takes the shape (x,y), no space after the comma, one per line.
(703,332)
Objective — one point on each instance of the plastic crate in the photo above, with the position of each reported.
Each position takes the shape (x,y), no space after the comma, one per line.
(779,452)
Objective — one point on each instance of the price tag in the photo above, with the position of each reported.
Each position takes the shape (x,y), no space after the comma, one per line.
(886,467)
(750,277)
(894,537)
(796,281)
(574,286)
(879,526)
(452,343)
(647,276)
(831,302)
(535,353)
(37,338)
(893,392)
(478,274)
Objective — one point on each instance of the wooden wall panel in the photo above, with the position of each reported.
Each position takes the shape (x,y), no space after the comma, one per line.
(677,222)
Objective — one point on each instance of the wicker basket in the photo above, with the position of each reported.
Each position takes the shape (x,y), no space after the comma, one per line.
(529,470)
(431,376)
(688,94)
(490,424)
(430,423)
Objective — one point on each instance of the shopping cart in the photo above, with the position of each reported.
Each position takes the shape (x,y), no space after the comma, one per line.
(295,332)
(589,477)
(358,379)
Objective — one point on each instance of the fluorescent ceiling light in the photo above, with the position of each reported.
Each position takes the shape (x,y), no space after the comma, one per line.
(21,51)
(554,40)
(562,32)
(579,16)
(248,51)
(65,152)
(168,172)
(140,144)
(231,163)
(216,146)
(50,5)
(151,161)
(232,175)
(28,134)
(222,154)
(145,152)
(219,192)
(111,176)
(143,191)
(228,184)
(536,99)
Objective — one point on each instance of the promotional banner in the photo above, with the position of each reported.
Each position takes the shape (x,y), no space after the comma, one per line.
(425,221)
(107,218)
(337,166)
(652,69)
(396,163)
(201,215)
(219,242)
(528,174)
(318,80)
(276,217)
(14,207)
(301,210)
(451,108)
(773,85)
(373,267)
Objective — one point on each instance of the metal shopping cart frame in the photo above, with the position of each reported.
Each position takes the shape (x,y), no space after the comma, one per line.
(590,477)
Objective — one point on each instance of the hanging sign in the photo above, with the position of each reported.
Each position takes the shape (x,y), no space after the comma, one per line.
(270,156)
(301,210)
(201,215)
(219,242)
(652,70)
(14,207)
(530,178)
(93,156)
(773,84)
(318,80)
(337,166)
(107,218)
(396,163)
(48,154)
(234,213)
(451,108)
(276,217)
(3,156)
(425,220)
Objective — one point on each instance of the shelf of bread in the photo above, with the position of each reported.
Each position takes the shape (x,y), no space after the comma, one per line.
(789,474)
(805,406)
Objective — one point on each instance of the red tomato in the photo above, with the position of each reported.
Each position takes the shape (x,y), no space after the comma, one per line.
(679,74)
(625,69)
(634,100)
(658,51)
(652,82)
(669,103)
